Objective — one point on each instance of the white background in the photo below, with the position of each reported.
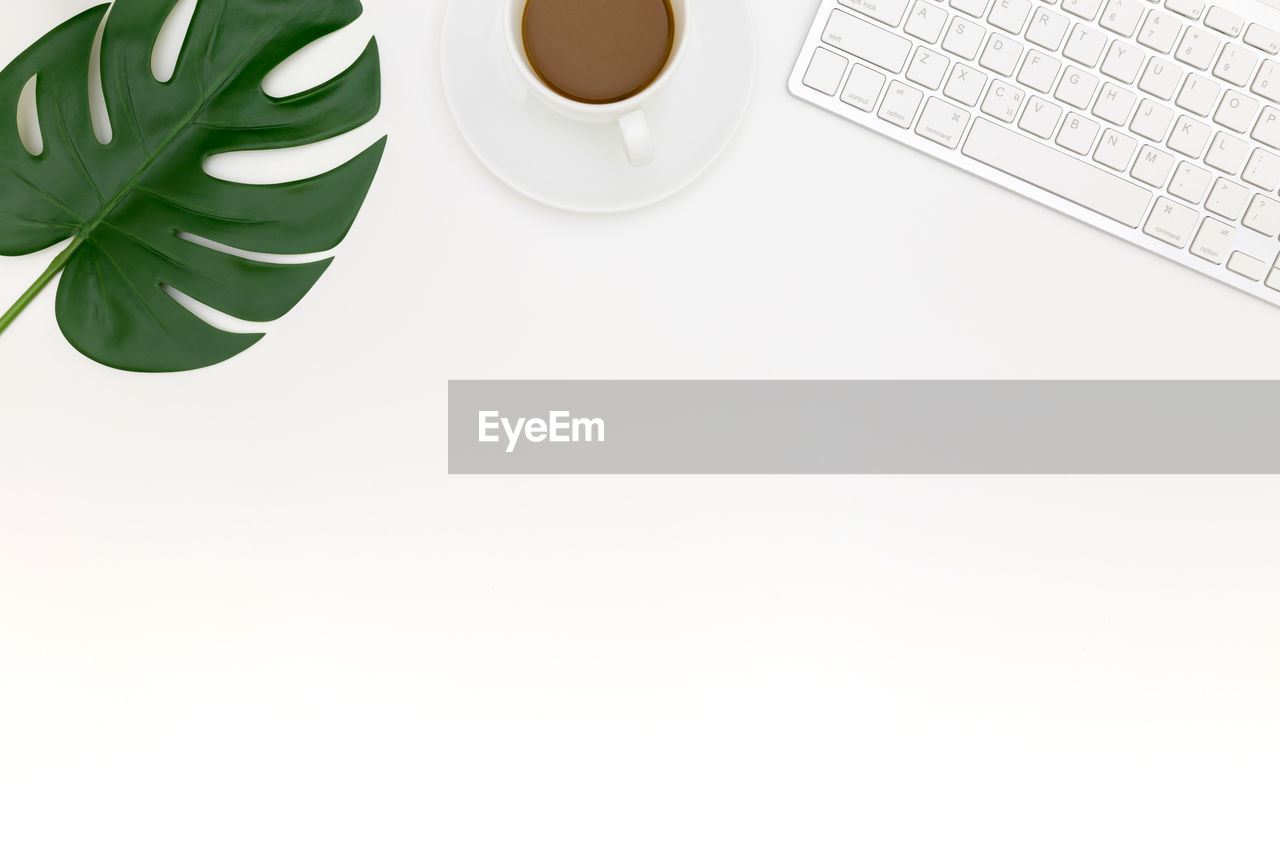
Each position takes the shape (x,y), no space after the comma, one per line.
(246,609)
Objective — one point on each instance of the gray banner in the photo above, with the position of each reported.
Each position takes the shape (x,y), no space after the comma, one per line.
(944,427)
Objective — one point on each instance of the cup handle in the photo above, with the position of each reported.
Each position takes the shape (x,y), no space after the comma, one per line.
(638,138)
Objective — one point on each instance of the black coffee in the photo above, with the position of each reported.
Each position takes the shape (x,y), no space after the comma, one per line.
(598,51)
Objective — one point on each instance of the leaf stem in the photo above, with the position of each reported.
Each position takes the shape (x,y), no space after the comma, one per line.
(34,290)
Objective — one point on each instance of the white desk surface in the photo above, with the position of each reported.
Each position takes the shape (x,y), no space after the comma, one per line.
(246,609)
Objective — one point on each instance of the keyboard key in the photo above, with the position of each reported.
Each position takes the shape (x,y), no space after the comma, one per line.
(1122,16)
(1199,94)
(1198,47)
(963,38)
(1047,29)
(1262,170)
(970,7)
(1236,112)
(1192,9)
(1263,216)
(1235,65)
(885,11)
(825,71)
(1077,87)
(1040,117)
(927,68)
(1114,104)
(1085,45)
(1267,130)
(1228,23)
(1123,61)
(1159,31)
(1189,137)
(1263,39)
(1213,241)
(1077,133)
(1152,120)
(863,89)
(900,105)
(1247,266)
(1227,153)
(1009,15)
(1058,173)
(1161,78)
(1115,150)
(1267,83)
(965,84)
(1190,182)
(1002,101)
(1227,199)
(942,122)
(1171,222)
(1152,166)
(1001,54)
(1086,9)
(926,21)
(867,41)
(1039,71)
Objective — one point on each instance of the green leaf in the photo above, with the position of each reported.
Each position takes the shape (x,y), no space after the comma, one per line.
(126,204)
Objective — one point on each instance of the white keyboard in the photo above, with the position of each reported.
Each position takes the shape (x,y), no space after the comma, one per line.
(1155,120)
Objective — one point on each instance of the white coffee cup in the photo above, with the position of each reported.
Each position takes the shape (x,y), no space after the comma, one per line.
(629,114)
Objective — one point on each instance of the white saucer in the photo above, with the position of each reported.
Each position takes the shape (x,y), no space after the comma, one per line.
(583,167)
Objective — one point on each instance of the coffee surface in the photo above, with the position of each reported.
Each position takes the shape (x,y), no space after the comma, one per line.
(598,51)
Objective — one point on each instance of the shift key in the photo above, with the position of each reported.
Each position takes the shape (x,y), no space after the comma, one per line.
(867,41)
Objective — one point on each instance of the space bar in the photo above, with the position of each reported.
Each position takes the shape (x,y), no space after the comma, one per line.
(1058,173)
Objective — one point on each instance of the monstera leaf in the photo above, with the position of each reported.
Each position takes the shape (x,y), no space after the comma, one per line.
(130,205)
